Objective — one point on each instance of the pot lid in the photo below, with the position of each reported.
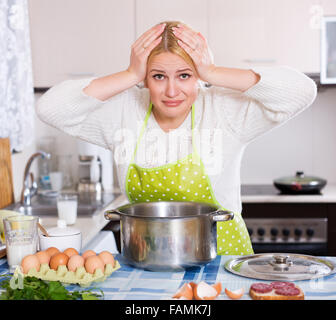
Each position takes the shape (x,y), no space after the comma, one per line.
(302,179)
(280,266)
(62,230)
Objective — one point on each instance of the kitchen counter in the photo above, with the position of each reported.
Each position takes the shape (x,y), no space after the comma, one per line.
(262,193)
(88,225)
(269,194)
(128,283)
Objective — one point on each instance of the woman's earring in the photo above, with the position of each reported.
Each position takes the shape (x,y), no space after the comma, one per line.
(141,85)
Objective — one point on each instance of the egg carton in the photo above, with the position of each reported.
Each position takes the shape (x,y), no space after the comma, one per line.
(62,274)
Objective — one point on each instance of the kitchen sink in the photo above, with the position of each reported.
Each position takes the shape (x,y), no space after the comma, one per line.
(42,205)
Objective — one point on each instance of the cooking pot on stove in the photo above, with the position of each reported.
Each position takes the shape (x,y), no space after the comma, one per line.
(300,184)
(168,236)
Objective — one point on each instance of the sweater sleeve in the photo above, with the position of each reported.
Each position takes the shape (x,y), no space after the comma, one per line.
(66,107)
(280,94)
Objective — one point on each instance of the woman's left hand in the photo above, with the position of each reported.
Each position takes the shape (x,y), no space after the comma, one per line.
(196,46)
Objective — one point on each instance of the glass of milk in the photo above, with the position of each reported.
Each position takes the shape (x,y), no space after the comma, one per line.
(21,238)
(67,204)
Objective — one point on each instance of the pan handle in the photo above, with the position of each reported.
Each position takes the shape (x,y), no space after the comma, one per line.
(222,215)
(113,215)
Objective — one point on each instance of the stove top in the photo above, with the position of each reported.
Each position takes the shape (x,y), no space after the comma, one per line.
(263,189)
(258,189)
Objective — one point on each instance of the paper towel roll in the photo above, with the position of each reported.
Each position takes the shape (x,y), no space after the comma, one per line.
(94,170)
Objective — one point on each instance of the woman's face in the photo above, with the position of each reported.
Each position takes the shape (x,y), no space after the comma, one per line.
(172,84)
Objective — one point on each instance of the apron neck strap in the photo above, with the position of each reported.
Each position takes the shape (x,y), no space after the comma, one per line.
(143,127)
(193,128)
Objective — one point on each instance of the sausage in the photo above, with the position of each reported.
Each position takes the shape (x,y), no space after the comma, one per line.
(261,287)
(288,291)
(279,285)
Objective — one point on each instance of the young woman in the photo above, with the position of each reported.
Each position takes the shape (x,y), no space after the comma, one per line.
(177,139)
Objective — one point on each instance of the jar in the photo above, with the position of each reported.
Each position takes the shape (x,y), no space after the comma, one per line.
(62,237)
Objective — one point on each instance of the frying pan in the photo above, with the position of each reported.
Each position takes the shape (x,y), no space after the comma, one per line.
(300,184)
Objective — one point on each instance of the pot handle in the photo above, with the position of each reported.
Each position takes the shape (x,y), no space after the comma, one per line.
(113,215)
(222,215)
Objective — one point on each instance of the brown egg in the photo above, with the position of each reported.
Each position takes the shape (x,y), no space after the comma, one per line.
(93,263)
(51,251)
(88,253)
(58,259)
(70,252)
(106,257)
(75,262)
(30,261)
(43,257)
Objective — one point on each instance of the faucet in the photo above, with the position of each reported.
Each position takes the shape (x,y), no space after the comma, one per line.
(29,191)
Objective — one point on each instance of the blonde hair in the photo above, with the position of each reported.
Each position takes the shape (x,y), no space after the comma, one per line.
(169,44)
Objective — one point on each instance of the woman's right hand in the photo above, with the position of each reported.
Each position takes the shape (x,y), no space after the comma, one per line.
(142,48)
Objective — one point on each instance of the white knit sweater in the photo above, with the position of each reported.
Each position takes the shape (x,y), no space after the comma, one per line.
(225,121)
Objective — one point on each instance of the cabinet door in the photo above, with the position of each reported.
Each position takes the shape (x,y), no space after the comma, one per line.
(79,38)
(191,12)
(296,34)
(247,33)
(239,34)
(328,7)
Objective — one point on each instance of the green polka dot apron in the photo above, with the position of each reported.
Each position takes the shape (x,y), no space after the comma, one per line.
(185,180)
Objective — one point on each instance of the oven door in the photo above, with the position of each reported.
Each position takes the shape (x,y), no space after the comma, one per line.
(314,249)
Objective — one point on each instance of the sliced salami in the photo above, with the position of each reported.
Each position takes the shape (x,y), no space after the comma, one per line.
(279,285)
(261,287)
(288,291)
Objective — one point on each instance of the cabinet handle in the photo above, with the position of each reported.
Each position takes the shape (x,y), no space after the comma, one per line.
(259,60)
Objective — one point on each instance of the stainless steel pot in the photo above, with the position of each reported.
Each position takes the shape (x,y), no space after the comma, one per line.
(164,236)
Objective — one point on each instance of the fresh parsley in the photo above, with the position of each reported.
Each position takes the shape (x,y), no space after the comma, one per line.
(37,289)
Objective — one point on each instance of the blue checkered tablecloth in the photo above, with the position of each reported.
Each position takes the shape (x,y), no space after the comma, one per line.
(128,283)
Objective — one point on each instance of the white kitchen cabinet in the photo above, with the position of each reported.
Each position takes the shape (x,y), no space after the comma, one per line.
(296,32)
(238,32)
(246,33)
(191,12)
(82,38)
(79,38)
(329,7)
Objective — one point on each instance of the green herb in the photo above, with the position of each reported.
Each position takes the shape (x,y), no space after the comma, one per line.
(33,288)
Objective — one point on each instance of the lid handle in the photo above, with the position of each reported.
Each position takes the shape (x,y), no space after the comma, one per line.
(281,259)
(281,262)
(300,174)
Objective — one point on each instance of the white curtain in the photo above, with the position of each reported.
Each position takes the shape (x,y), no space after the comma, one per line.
(16,84)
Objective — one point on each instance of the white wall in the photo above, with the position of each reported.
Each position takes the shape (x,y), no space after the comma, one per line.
(306,143)
(64,145)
